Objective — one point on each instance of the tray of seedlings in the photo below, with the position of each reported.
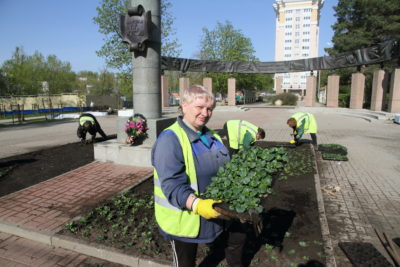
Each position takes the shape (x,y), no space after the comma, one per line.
(244,181)
(333,152)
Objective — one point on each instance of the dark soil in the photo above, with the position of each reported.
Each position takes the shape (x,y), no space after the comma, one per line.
(21,171)
(290,236)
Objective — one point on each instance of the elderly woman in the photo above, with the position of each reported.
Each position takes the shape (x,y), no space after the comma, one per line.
(185,158)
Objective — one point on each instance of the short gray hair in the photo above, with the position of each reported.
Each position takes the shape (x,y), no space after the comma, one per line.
(196,91)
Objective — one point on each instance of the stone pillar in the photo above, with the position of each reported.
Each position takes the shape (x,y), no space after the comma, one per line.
(332,95)
(164,91)
(394,95)
(231,92)
(278,85)
(184,84)
(147,67)
(378,89)
(357,90)
(207,83)
(309,100)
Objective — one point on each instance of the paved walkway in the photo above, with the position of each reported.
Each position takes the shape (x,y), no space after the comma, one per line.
(47,206)
(369,196)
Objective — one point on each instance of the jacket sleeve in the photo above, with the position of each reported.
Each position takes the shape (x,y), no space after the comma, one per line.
(247,140)
(168,161)
(300,130)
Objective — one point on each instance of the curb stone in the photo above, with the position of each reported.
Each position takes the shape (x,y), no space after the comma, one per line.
(328,247)
(98,251)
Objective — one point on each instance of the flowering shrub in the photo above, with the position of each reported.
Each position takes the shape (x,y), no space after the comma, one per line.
(135,128)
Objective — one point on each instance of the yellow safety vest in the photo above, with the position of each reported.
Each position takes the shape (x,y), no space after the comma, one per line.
(86,118)
(171,219)
(310,124)
(237,130)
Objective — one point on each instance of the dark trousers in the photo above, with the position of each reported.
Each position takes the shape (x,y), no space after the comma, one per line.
(314,139)
(229,245)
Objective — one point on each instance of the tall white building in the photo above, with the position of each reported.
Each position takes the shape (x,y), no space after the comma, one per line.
(297,37)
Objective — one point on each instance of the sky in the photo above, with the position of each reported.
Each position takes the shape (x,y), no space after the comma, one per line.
(66,28)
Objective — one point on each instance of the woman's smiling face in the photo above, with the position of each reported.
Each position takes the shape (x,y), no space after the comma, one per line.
(197,113)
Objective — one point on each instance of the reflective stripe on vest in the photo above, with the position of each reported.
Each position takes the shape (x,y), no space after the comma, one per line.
(171,219)
(85,118)
(310,124)
(237,130)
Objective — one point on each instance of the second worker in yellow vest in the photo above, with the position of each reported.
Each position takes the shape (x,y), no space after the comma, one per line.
(301,123)
(242,134)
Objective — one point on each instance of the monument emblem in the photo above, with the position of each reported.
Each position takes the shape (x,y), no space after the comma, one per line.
(136,28)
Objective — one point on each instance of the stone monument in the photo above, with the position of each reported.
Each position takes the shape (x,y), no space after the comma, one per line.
(141,31)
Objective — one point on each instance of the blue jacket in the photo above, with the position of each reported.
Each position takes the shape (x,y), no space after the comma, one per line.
(168,161)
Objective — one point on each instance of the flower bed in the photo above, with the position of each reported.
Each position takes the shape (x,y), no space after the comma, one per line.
(291,233)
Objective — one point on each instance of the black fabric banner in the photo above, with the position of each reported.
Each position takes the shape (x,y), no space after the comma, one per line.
(372,55)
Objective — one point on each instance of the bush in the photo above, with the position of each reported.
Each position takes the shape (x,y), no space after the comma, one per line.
(288,99)
(344,100)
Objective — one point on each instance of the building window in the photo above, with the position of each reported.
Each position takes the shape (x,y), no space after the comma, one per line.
(288,33)
(306,25)
(307,18)
(297,34)
(298,11)
(296,41)
(297,26)
(288,26)
(288,48)
(289,19)
(305,55)
(306,40)
(305,47)
(287,55)
(288,41)
(297,19)
(307,10)
(306,33)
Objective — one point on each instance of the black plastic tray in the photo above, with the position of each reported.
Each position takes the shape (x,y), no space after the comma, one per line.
(363,254)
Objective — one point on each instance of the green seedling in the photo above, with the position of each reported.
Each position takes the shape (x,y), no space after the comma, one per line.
(269,248)
(274,258)
(303,244)
(287,234)
(305,258)
(292,252)
(71,227)
(317,243)
(86,234)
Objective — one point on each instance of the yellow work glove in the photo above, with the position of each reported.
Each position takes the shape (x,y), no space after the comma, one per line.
(292,142)
(204,208)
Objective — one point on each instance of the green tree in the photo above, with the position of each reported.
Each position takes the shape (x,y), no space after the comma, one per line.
(85,80)
(105,84)
(31,75)
(225,43)
(363,23)
(115,52)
